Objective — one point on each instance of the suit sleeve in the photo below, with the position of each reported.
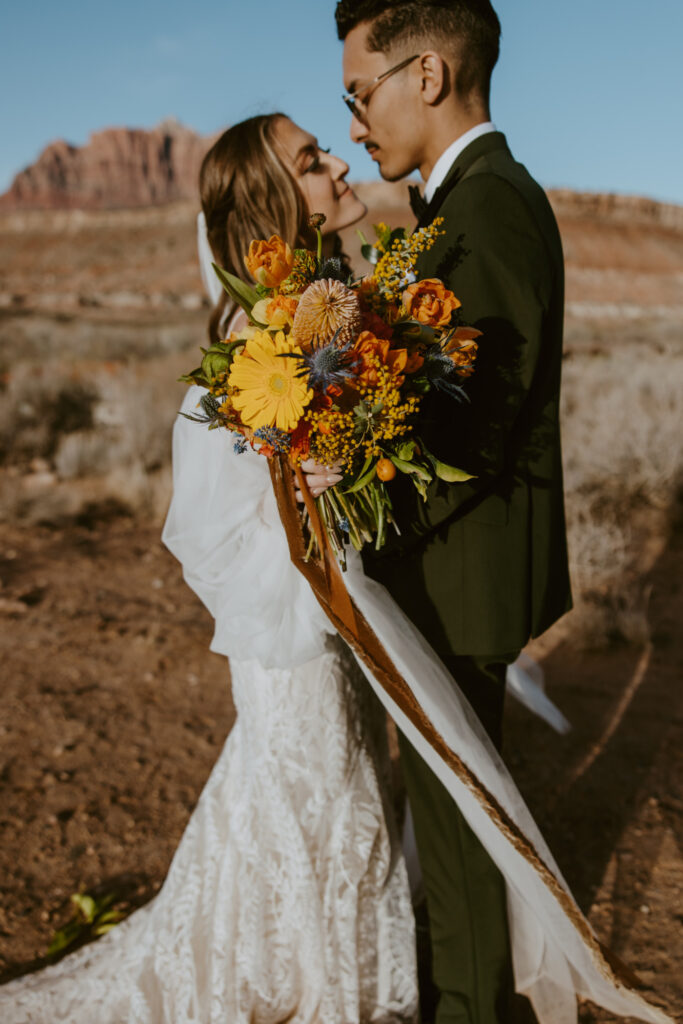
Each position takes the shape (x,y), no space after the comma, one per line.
(495,260)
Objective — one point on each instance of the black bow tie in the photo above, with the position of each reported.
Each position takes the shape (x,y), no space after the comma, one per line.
(426,211)
(418,203)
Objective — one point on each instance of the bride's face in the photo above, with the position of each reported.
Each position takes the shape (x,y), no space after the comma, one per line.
(320,176)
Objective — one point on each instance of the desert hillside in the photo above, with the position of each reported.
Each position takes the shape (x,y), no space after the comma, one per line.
(113,711)
(117,167)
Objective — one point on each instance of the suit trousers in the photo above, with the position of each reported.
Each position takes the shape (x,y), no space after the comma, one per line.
(465,892)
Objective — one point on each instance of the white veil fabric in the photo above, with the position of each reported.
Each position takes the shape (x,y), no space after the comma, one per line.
(212,285)
(556,956)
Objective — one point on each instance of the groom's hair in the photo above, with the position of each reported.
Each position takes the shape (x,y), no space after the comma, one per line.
(468,29)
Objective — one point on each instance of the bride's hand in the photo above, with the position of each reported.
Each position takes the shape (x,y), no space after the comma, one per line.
(319,478)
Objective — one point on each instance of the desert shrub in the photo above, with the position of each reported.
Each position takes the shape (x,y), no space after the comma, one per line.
(40,405)
(98,435)
(88,453)
(623,459)
(621,422)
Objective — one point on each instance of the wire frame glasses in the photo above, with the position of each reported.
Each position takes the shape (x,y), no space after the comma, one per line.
(358,106)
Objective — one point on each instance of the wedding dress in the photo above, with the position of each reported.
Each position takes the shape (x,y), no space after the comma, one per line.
(287,898)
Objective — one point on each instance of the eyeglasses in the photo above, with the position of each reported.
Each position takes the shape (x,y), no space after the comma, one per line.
(359,107)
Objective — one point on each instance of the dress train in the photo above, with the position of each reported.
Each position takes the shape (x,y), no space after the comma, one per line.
(287,898)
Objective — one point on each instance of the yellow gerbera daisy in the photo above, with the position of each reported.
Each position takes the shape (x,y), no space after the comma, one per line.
(269,391)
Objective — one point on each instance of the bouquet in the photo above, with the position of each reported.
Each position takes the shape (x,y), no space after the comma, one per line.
(335,369)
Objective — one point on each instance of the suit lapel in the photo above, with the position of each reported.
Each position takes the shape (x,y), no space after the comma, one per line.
(485,144)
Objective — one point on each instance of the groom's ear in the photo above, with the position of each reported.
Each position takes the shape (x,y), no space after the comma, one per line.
(435,77)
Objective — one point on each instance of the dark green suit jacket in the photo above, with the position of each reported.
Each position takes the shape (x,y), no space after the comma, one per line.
(482,566)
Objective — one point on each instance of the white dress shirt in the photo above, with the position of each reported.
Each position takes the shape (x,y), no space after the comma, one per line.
(450,155)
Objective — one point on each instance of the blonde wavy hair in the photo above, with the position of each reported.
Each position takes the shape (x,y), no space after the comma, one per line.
(247,192)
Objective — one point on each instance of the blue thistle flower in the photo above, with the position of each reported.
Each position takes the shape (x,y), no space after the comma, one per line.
(439,370)
(240,446)
(326,364)
(277,439)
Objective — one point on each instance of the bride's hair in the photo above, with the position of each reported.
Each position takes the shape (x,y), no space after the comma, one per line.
(246,193)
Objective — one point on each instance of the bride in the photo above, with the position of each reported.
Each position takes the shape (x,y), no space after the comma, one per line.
(287,898)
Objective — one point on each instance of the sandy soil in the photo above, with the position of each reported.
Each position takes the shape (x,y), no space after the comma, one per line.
(113,712)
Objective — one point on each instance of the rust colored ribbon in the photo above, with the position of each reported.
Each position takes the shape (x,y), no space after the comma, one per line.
(327,583)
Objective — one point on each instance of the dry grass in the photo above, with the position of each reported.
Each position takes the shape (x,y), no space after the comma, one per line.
(622,411)
(88,442)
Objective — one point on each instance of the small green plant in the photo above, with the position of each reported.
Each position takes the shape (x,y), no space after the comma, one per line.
(94,915)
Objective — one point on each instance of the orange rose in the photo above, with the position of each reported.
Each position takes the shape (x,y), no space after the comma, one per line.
(430,302)
(369,348)
(462,349)
(374,323)
(269,263)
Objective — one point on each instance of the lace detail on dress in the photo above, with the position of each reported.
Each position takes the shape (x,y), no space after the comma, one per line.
(287,898)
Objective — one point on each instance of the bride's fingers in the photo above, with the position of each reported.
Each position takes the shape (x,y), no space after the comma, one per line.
(319,478)
(310,466)
(315,491)
(323,479)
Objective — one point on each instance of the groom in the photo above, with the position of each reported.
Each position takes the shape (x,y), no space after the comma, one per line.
(482,566)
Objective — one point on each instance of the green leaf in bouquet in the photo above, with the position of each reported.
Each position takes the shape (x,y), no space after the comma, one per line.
(420,487)
(362,480)
(418,333)
(369,253)
(362,415)
(397,235)
(365,467)
(406,450)
(194,377)
(245,295)
(411,467)
(450,474)
(420,384)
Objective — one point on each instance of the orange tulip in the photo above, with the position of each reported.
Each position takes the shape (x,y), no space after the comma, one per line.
(269,263)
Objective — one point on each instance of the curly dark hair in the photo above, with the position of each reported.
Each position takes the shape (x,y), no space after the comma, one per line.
(469,30)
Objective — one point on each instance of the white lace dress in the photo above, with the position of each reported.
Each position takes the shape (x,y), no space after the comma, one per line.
(287,898)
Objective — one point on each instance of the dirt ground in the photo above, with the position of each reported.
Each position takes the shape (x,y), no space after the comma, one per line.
(113,712)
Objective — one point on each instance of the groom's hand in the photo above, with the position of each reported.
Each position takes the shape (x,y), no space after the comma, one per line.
(319,478)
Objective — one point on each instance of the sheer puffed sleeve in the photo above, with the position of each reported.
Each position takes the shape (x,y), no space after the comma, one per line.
(224,528)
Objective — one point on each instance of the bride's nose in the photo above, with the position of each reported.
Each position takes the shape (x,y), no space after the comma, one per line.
(338,166)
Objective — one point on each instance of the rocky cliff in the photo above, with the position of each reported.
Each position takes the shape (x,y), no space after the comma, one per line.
(118,167)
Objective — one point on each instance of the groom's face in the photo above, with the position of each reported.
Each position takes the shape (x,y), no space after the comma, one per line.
(389,110)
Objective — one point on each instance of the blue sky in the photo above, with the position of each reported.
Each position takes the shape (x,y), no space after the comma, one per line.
(589,93)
